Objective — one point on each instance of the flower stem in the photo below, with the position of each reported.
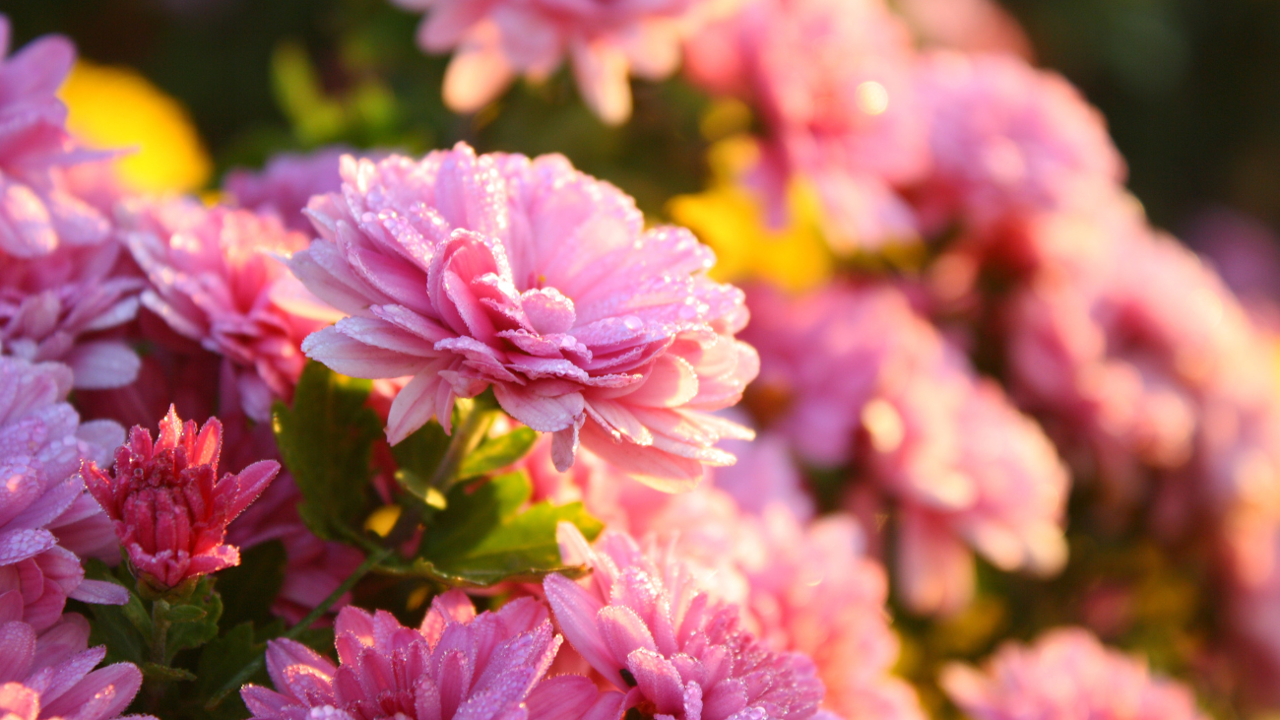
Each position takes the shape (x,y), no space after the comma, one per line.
(159,631)
(475,424)
(294,632)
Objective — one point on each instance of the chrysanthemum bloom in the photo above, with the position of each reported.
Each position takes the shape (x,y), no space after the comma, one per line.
(496,40)
(1007,139)
(1067,674)
(36,215)
(665,646)
(833,82)
(856,378)
(806,588)
(470,272)
(48,675)
(455,665)
(169,510)
(46,517)
(216,278)
(287,183)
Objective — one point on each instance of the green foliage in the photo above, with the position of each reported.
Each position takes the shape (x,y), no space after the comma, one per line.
(496,453)
(483,537)
(246,588)
(325,440)
(124,629)
(220,661)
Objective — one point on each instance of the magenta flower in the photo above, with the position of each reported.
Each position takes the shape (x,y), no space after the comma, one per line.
(46,517)
(38,215)
(870,384)
(1066,674)
(1007,140)
(664,645)
(496,40)
(50,675)
(169,510)
(455,665)
(215,278)
(469,272)
(833,81)
(287,183)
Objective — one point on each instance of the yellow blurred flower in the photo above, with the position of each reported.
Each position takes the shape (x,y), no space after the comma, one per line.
(116,107)
(731,220)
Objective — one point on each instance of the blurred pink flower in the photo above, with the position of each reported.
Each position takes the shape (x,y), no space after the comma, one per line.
(48,675)
(665,646)
(1007,139)
(470,272)
(216,278)
(1066,674)
(861,379)
(833,81)
(496,40)
(456,664)
(46,517)
(169,511)
(287,183)
(971,26)
(37,215)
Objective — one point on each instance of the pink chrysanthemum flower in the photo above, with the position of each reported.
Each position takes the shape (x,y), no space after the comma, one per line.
(287,183)
(1067,674)
(169,510)
(470,272)
(37,215)
(455,665)
(833,82)
(49,675)
(46,517)
(1007,139)
(496,40)
(56,307)
(667,648)
(866,382)
(216,278)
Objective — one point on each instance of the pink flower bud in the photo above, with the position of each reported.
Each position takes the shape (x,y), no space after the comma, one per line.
(169,513)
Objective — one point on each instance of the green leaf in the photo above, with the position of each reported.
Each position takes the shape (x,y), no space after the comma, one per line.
(497,453)
(248,589)
(194,622)
(124,629)
(159,673)
(483,537)
(220,660)
(325,440)
(418,457)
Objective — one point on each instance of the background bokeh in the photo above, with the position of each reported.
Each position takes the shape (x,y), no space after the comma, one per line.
(1188,87)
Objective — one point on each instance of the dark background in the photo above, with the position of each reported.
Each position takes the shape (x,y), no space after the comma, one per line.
(1191,89)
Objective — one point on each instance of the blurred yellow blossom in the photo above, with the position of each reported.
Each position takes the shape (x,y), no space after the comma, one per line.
(116,107)
(731,220)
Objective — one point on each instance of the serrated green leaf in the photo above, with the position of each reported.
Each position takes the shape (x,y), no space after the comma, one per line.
(483,537)
(185,634)
(160,673)
(248,588)
(325,440)
(497,453)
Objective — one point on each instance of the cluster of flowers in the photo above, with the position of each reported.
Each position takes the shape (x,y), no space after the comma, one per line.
(715,593)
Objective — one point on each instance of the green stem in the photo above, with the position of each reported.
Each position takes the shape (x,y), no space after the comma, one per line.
(294,632)
(465,439)
(159,632)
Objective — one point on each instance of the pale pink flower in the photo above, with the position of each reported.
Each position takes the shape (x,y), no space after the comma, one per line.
(455,665)
(168,508)
(863,381)
(37,215)
(1007,139)
(970,26)
(1067,674)
(833,82)
(216,278)
(665,646)
(46,517)
(496,271)
(59,305)
(50,675)
(494,41)
(287,183)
